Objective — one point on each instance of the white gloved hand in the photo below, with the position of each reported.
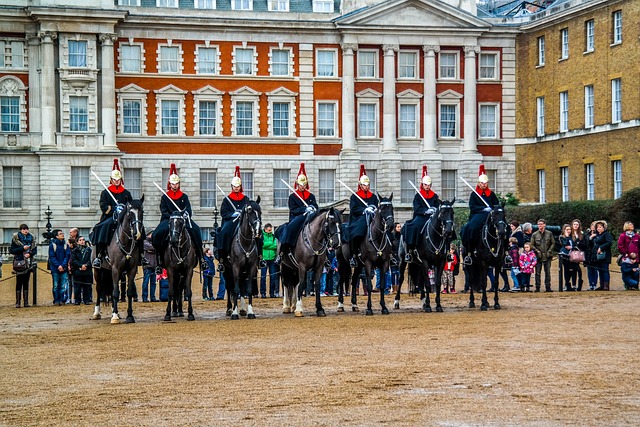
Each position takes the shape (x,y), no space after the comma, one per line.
(235,215)
(309,209)
(487,209)
(370,209)
(185,215)
(119,208)
(431,211)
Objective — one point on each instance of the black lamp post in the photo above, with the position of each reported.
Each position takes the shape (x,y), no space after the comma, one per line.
(48,217)
(47,237)
(214,233)
(216,213)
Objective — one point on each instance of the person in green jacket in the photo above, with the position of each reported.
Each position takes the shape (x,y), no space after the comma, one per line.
(269,250)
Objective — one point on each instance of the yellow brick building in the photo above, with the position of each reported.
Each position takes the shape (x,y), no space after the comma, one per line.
(578,102)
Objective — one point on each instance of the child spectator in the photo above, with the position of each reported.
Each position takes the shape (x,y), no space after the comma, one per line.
(630,273)
(448,284)
(514,253)
(207,277)
(164,285)
(528,263)
(82,271)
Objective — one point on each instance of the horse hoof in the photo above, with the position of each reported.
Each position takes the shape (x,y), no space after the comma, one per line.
(439,309)
(340,309)
(167,318)
(497,307)
(130,319)
(174,314)
(483,308)
(243,312)
(235,317)
(96,317)
(115,321)
(426,309)
(472,305)
(369,312)
(321,313)
(396,305)
(299,314)
(191,317)
(355,308)
(385,310)
(229,311)
(286,310)
(180,314)
(251,316)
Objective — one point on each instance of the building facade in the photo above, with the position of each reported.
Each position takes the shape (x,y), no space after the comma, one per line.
(209,85)
(578,102)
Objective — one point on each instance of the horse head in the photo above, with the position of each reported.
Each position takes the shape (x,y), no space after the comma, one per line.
(252,217)
(332,222)
(445,217)
(132,217)
(177,224)
(498,219)
(385,212)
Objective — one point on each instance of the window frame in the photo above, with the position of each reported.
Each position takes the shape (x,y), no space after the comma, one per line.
(456,123)
(616,29)
(374,103)
(80,59)
(197,5)
(374,66)
(590,178)
(590,36)
(208,192)
(134,184)
(167,3)
(8,60)
(589,107)
(272,3)
(251,50)
(415,103)
(14,115)
(326,194)
(542,186)
(496,121)
(540,116)
(456,64)
(162,61)
(496,68)
(82,200)
(334,129)
(132,92)
(416,64)
(78,115)
(447,192)
(564,184)
(236,3)
(216,60)
(616,100)
(280,190)
(564,44)
(541,51)
(325,4)
(170,93)
(122,60)
(616,167)
(564,111)
(12,191)
(406,191)
(247,178)
(334,63)
(289,61)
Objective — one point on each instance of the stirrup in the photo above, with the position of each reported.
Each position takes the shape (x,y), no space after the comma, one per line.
(278,259)
(327,263)
(262,263)
(220,268)
(352,261)
(407,257)
(144,261)
(97,263)
(467,260)
(158,270)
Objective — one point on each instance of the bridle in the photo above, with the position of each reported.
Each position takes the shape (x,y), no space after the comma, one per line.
(134,234)
(176,247)
(486,232)
(372,225)
(254,225)
(431,226)
(329,218)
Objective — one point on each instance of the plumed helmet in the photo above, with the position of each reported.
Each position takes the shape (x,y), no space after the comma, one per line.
(426,179)
(116,173)
(302,177)
(173,176)
(236,181)
(482,175)
(364,179)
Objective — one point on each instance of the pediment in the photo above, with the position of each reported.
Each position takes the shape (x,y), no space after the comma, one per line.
(415,14)
(208,90)
(282,91)
(449,94)
(368,93)
(132,88)
(246,90)
(409,94)
(171,89)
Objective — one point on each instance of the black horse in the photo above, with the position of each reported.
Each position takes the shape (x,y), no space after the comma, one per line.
(432,250)
(124,257)
(180,258)
(241,267)
(486,253)
(320,231)
(375,251)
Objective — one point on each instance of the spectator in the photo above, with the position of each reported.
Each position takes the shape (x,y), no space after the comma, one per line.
(629,268)
(149,280)
(221,288)
(269,252)
(393,274)
(81,270)
(516,231)
(566,246)
(527,231)
(579,243)
(448,284)
(71,241)
(207,276)
(629,240)
(542,244)
(23,247)
(590,257)
(602,248)
(58,263)
(332,272)
(514,253)
(527,263)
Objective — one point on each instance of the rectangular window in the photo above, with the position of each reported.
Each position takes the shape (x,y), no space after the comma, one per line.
(326,63)
(449,180)
(207,117)
(327,119)
(617,27)
(564,111)
(281,118)
(540,115)
(244,61)
(407,65)
(11,54)
(616,101)
(280,190)
(10,113)
(564,43)
(167,3)
(372,174)
(80,187)
(78,114)
(170,110)
(590,35)
(169,59)
(207,60)
(488,121)
(591,181)
(280,62)
(208,189)
(488,66)
(244,118)
(130,58)
(564,181)
(492,174)
(129,2)
(617,179)
(542,186)
(77,53)
(407,121)
(367,120)
(247,184)
(11,187)
(588,107)
(134,182)
(241,4)
(323,6)
(448,121)
(279,5)
(448,65)
(406,190)
(205,4)
(367,64)
(326,186)
(131,116)
(541,51)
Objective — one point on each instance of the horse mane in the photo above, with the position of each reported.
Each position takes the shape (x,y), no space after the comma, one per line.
(137,204)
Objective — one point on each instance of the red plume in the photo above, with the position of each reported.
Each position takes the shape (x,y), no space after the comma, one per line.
(302,171)
(424,171)
(116,165)
(237,172)
(172,170)
(362,171)
(481,170)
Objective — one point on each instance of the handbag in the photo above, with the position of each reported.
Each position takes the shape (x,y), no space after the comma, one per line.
(576,256)
(19,265)
(601,256)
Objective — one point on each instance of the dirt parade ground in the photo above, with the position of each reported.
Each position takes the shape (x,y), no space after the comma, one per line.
(545,359)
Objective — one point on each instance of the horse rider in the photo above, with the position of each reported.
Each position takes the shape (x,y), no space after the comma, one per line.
(478,212)
(102,232)
(230,211)
(299,210)
(421,213)
(161,233)
(357,226)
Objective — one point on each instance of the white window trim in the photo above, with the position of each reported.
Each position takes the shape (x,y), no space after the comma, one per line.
(540,116)
(563,126)
(141,59)
(615,40)
(587,48)
(369,96)
(617,178)
(457,65)
(233,3)
(25,54)
(207,93)
(564,183)
(409,97)
(496,67)
(132,92)
(246,94)
(91,51)
(176,4)
(12,86)
(270,7)
(283,95)
(168,93)
(416,58)
(91,111)
(542,186)
(588,116)
(449,97)
(496,124)
(291,61)
(180,57)
(254,63)
(541,51)
(376,64)
(564,33)
(614,110)
(197,58)
(121,3)
(195,5)
(335,64)
(336,134)
(590,181)
(316,2)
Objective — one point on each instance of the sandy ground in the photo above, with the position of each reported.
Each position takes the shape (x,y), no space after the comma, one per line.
(543,360)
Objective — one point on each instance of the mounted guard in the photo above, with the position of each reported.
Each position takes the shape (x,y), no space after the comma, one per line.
(425,203)
(356,229)
(230,210)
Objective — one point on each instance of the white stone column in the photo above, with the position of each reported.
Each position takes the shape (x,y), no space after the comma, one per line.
(470,143)
(430,102)
(108,91)
(348,97)
(35,125)
(389,142)
(48,90)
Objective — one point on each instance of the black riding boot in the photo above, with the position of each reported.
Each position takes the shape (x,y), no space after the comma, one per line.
(580,283)
(223,256)
(25,296)
(97,262)
(18,295)
(284,249)
(505,288)
(158,264)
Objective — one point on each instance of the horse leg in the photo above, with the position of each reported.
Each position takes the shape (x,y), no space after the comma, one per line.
(354,287)
(96,310)
(403,266)
(383,286)
(300,288)
(189,294)
(227,279)
(484,306)
(368,271)
(131,291)
(319,310)
(287,289)
(438,272)
(115,296)
(253,272)
(496,304)
(472,284)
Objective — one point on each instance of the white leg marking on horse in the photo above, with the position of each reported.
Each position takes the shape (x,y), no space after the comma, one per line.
(243,304)
(249,309)
(115,318)
(235,311)
(96,313)
(340,305)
